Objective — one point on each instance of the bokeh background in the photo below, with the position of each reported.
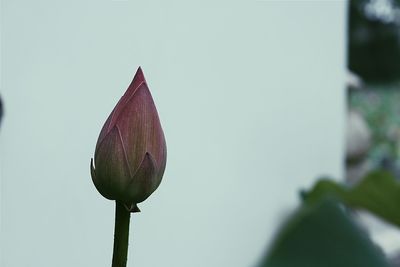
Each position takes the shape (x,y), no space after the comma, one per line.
(373,82)
(373,121)
(251,96)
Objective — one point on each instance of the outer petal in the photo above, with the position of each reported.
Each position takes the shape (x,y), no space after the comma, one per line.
(112,173)
(112,118)
(162,162)
(94,177)
(145,181)
(141,130)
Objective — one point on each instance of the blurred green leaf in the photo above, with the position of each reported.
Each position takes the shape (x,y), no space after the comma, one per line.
(378,193)
(323,235)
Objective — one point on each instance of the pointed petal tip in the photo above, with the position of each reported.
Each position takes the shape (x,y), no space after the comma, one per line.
(139,76)
(149,156)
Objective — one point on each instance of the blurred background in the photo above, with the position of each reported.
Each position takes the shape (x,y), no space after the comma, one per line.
(252,99)
(373,83)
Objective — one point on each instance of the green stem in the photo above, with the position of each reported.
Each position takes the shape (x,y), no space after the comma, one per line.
(121,235)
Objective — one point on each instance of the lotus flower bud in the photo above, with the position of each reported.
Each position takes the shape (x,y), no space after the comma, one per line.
(130,154)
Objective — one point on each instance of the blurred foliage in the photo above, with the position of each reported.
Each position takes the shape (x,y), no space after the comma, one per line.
(322,232)
(323,235)
(378,193)
(374,41)
(379,105)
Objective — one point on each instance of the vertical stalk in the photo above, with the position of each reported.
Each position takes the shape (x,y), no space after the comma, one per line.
(121,235)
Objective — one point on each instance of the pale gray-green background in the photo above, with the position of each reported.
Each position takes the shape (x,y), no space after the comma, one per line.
(250,96)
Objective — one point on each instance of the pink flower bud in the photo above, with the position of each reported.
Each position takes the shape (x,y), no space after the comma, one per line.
(130,153)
